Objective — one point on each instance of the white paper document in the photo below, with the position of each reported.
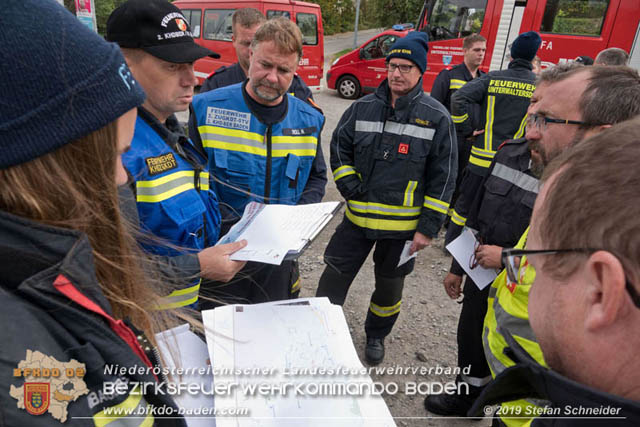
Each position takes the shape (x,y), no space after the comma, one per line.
(462,249)
(293,364)
(184,351)
(275,231)
(406,255)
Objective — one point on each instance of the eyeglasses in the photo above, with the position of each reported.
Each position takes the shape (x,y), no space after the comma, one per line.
(404,68)
(473,260)
(511,261)
(541,122)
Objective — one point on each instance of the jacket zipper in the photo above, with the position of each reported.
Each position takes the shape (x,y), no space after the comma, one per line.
(267,179)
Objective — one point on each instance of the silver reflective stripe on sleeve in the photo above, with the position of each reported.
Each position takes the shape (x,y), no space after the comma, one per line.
(517,178)
(409,130)
(365,126)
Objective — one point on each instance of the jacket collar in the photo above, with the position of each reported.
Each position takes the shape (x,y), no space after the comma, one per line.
(383,92)
(529,379)
(520,63)
(39,252)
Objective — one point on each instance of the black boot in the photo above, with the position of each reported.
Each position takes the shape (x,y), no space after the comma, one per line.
(452,404)
(374,352)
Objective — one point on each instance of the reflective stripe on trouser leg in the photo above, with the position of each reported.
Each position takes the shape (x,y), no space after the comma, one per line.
(295,280)
(384,307)
(470,349)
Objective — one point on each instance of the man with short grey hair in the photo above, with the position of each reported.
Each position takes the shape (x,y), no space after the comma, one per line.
(612,56)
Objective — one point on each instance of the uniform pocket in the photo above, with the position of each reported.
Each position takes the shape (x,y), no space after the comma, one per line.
(186,212)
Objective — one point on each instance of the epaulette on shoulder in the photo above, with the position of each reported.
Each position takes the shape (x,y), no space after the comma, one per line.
(218,71)
(513,141)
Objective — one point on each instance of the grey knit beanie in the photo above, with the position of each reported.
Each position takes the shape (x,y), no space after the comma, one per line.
(60,81)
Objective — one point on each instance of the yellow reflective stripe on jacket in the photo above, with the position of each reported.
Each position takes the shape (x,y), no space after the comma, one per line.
(459,119)
(436,205)
(254,143)
(343,171)
(296,286)
(381,311)
(521,129)
(408,193)
(488,127)
(480,157)
(382,209)
(159,189)
(458,219)
(507,310)
(126,413)
(382,224)
(181,297)
(456,83)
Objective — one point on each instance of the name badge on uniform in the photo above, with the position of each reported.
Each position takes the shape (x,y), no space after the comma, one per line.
(299,132)
(161,163)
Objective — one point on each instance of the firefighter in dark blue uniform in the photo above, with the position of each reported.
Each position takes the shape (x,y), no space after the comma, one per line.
(499,215)
(504,96)
(394,158)
(170,179)
(453,78)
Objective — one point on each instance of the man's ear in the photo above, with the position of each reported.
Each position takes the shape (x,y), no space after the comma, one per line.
(605,288)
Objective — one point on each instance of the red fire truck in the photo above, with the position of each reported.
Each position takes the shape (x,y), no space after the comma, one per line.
(569,28)
(210,22)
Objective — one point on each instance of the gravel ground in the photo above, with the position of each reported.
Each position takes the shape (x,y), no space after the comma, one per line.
(424,335)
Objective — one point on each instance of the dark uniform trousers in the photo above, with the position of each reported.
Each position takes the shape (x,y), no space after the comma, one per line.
(346,252)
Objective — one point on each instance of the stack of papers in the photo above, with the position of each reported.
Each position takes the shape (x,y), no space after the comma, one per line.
(278,232)
(291,363)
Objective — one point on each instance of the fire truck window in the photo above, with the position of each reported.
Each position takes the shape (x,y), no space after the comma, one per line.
(276,13)
(217,24)
(193,17)
(451,19)
(576,17)
(308,25)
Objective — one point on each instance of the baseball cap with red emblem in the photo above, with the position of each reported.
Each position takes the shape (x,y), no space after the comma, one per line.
(157,27)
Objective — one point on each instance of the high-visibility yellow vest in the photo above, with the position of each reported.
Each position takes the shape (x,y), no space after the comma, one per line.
(507,310)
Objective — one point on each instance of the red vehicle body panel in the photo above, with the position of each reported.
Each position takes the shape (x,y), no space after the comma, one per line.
(311,66)
(619,29)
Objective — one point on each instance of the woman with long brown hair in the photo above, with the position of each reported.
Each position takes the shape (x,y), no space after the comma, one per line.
(76,302)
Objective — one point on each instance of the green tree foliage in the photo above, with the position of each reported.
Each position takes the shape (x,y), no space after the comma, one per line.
(390,12)
(337,15)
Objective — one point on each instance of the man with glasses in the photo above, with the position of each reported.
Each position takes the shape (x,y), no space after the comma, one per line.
(585,300)
(393,157)
(575,103)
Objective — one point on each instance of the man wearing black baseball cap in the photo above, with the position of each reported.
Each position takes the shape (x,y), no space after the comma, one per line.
(170,175)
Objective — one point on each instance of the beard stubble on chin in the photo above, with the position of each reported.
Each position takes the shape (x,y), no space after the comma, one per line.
(257,88)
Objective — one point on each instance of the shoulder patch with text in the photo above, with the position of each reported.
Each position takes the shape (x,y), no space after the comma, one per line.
(161,163)
(228,118)
(421,122)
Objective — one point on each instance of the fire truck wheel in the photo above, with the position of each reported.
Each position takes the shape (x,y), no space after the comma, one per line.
(349,87)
